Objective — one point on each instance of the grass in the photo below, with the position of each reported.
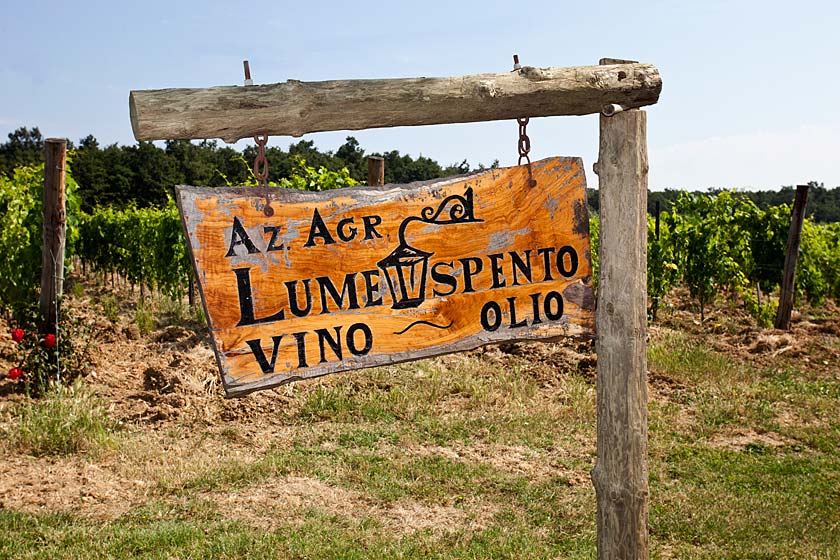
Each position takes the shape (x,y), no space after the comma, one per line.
(761,502)
(756,500)
(110,308)
(318,535)
(144,318)
(476,455)
(65,421)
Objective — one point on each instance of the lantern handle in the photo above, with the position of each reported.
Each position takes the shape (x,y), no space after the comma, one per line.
(461,211)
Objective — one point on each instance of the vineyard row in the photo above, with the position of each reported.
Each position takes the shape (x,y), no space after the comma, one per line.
(713,244)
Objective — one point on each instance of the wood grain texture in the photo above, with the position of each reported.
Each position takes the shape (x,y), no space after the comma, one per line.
(621,473)
(523,247)
(376,171)
(54,230)
(295,108)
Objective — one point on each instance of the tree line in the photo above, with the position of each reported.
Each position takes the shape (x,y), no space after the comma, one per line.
(144,174)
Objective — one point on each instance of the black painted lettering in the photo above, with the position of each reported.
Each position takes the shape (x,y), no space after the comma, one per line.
(246,301)
(469,271)
(318,229)
(567,271)
(300,340)
(444,278)
(272,244)
(348,290)
(514,324)
(496,270)
(535,309)
(372,288)
(485,316)
(294,307)
(334,343)
(521,266)
(351,339)
(545,252)
(555,299)
(370,223)
(256,347)
(240,237)
(350,233)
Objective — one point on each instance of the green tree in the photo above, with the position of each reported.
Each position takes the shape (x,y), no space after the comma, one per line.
(24,147)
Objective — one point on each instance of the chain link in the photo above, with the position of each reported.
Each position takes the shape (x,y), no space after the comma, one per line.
(261,162)
(525,148)
(261,171)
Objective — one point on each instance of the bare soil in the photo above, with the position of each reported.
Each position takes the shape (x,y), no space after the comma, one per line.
(164,388)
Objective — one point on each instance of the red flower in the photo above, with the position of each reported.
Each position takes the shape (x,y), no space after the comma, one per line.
(15,372)
(49,340)
(17,335)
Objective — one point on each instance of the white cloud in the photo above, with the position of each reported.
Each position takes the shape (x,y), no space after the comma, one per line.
(761,160)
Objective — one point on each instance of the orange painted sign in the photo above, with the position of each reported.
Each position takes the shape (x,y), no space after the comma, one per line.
(299,284)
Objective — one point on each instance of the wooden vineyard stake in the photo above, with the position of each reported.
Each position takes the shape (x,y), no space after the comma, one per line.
(376,171)
(797,217)
(365,276)
(55,230)
(621,473)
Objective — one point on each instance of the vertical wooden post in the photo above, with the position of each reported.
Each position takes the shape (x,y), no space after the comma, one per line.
(656,229)
(620,476)
(797,216)
(376,171)
(191,291)
(54,227)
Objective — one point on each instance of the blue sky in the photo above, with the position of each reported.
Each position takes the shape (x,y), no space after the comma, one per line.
(749,97)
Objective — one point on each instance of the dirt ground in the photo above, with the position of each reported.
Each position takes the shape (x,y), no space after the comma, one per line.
(164,389)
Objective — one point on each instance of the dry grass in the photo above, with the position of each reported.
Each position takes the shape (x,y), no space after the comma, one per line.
(480,454)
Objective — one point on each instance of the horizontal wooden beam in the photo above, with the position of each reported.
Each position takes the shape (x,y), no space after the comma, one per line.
(295,108)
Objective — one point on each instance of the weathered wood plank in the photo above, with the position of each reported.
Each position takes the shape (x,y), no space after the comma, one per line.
(313,286)
(621,473)
(54,230)
(296,108)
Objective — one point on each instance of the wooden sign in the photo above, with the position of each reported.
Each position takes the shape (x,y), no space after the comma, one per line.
(299,284)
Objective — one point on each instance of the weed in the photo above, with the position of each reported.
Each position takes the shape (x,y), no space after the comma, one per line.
(76,288)
(110,308)
(197,315)
(65,421)
(144,318)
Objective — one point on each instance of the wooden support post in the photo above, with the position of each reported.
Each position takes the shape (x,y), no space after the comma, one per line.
(794,237)
(620,476)
(656,228)
(54,227)
(376,171)
(191,291)
(295,108)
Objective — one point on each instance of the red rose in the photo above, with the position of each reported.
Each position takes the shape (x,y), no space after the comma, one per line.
(17,335)
(49,340)
(15,372)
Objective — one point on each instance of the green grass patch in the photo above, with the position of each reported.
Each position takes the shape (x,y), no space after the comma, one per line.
(64,421)
(690,361)
(318,536)
(144,318)
(762,502)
